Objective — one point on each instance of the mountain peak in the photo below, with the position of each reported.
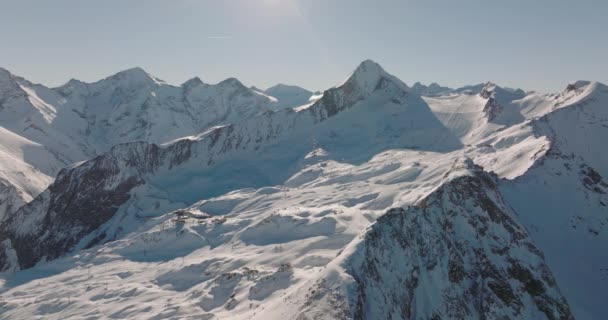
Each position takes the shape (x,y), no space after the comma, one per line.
(5,73)
(232,82)
(74,81)
(368,75)
(136,75)
(587,88)
(369,69)
(135,71)
(194,82)
(286,88)
(492,90)
(586,83)
(288,96)
(70,86)
(278,85)
(282,86)
(490,84)
(8,81)
(489,89)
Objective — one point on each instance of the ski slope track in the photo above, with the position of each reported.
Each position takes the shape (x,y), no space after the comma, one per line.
(372,200)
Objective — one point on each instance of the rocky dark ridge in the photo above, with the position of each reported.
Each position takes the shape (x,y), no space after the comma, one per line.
(498,107)
(461,245)
(79,201)
(10,199)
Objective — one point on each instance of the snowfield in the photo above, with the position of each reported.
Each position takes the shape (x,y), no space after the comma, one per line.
(370,201)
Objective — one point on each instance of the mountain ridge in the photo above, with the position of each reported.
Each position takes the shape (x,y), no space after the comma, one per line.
(295,212)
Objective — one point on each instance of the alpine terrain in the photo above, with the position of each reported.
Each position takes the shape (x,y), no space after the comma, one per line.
(131,198)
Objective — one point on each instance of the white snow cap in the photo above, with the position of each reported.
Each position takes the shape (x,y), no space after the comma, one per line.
(134,75)
(368,74)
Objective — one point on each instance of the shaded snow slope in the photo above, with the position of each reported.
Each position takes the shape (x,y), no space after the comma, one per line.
(564,203)
(579,124)
(288,96)
(367,196)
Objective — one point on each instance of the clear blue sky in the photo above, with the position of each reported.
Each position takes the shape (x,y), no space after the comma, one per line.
(539,44)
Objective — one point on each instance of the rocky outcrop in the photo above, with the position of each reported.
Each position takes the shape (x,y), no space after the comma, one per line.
(457,254)
(10,199)
(498,107)
(79,201)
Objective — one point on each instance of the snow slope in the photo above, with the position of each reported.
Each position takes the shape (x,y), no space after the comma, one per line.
(370,106)
(263,253)
(564,204)
(563,199)
(457,254)
(369,196)
(25,171)
(288,96)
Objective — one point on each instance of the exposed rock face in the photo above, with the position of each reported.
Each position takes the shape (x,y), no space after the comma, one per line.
(81,200)
(10,199)
(368,79)
(492,109)
(458,254)
(78,202)
(498,107)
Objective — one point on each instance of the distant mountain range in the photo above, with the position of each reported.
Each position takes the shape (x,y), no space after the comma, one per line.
(133,198)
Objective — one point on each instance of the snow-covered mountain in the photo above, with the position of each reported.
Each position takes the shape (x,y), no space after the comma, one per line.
(289,96)
(433,89)
(49,129)
(456,254)
(368,202)
(436,90)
